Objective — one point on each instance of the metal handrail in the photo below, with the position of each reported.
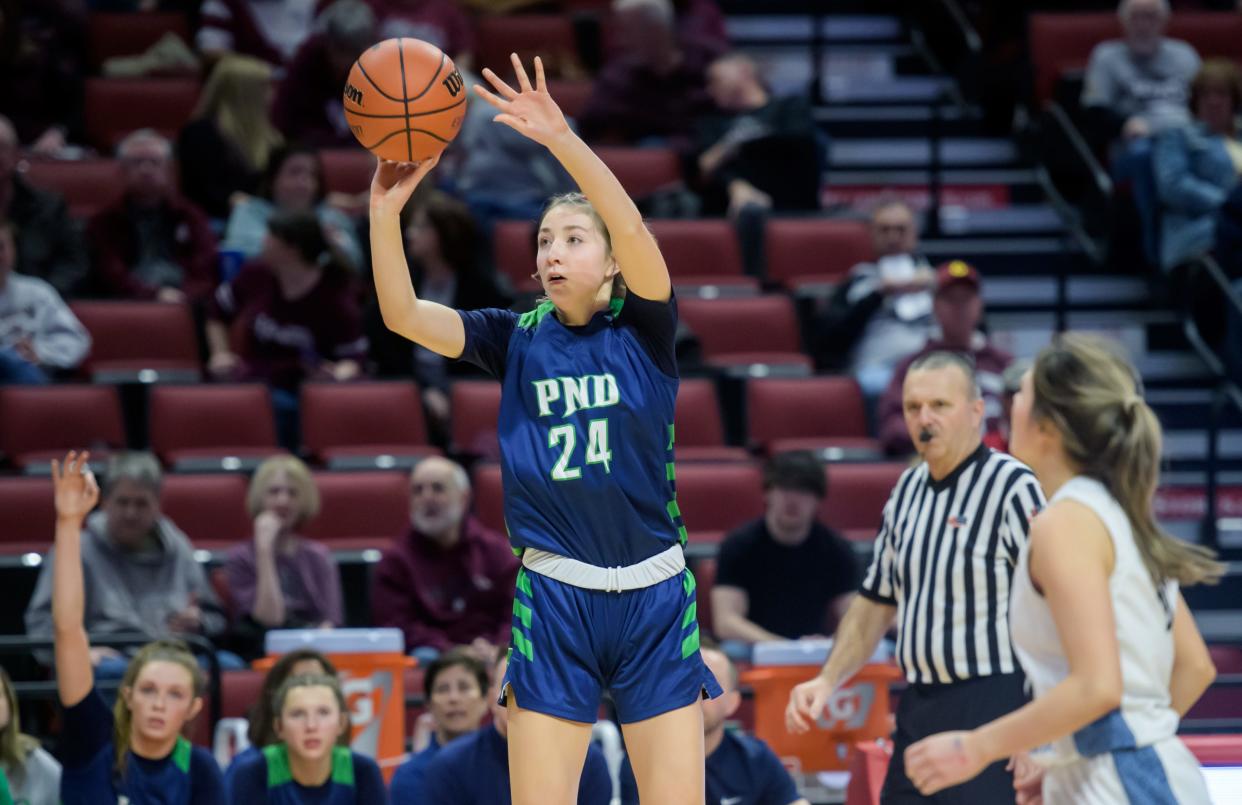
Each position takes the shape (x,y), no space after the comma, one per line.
(24,644)
(1103,182)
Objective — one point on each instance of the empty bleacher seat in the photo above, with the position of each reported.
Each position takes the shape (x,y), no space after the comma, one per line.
(813,413)
(116,106)
(28,515)
(347,170)
(549,36)
(571,94)
(212,427)
(746,331)
(702,252)
(698,427)
(513,250)
(346,424)
(209,508)
(815,251)
(642,171)
(488,492)
(39,423)
(87,185)
(145,341)
(111,34)
(360,510)
(717,498)
(475,406)
(856,496)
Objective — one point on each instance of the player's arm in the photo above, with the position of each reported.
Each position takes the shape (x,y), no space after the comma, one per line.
(75,494)
(429,324)
(533,113)
(1193,669)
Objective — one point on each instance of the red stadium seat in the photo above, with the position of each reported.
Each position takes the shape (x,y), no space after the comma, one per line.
(513,249)
(697,424)
(39,423)
(704,571)
(1215,750)
(489,498)
(856,497)
(717,498)
(87,185)
(549,36)
(571,94)
(209,508)
(745,331)
(28,515)
(702,252)
(812,413)
(130,338)
(1063,42)
(347,170)
(806,251)
(360,510)
(116,106)
(239,690)
(475,406)
(128,34)
(1226,658)
(189,424)
(346,421)
(642,171)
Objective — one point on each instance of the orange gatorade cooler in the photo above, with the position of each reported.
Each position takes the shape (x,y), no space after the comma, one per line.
(372,666)
(858,711)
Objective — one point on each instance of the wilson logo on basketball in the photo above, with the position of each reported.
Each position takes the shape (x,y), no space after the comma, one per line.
(453,83)
(354,94)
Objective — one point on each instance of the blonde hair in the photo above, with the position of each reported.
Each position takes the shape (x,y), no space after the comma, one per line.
(173,651)
(580,203)
(15,746)
(236,99)
(1089,394)
(299,476)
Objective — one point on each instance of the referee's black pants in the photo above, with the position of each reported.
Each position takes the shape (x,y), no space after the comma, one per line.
(928,709)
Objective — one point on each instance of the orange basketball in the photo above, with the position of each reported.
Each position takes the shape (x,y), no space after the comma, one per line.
(404,100)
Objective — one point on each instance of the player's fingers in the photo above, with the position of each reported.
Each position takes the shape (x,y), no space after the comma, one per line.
(541,85)
(499,84)
(55,471)
(489,97)
(512,121)
(520,71)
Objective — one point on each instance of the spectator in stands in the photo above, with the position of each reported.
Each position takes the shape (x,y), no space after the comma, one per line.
(278,579)
(1138,85)
(33,774)
(456,688)
(151,243)
(293,182)
(756,150)
(308,104)
(261,730)
(294,316)
(140,570)
(740,768)
(785,575)
(51,246)
(443,23)
(475,768)
(262,29)
(958,310)
(449,580)
(1196,166)
(654,89)
(39,334)
(882,312)
(225,146)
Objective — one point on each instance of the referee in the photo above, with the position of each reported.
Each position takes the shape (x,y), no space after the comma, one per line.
(943,563)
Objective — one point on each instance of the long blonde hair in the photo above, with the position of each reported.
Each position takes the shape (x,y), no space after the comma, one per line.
(1089,394)
(236,99)
(173,651)
(14,745)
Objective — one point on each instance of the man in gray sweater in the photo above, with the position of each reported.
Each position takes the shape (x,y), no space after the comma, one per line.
(139,569)
(38,332)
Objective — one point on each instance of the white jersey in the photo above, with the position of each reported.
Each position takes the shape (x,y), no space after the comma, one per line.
(1131,754)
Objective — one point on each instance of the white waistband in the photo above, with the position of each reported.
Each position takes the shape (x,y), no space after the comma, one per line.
(651,570)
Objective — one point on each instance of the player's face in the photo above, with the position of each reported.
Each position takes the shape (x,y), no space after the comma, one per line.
(437,502)
(310,722)
(1022,429)
(893,231)
(717,710)
(131,510)
(282,498)
(457,703)
(572,260)
(296,183)
(937,402)
(161,700)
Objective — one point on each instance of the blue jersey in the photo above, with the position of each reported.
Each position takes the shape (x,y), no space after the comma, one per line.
(742,771)
(188,775)
(407,780)
(586,427)
(266,777)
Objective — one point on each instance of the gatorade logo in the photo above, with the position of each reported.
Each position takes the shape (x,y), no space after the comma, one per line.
(453,83)
(367,697)
(352,93)
(848,708)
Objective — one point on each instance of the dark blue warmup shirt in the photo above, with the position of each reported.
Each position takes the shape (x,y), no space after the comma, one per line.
(742,771)
(266,777)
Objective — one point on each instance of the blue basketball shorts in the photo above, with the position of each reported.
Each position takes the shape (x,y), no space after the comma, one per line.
(571,644)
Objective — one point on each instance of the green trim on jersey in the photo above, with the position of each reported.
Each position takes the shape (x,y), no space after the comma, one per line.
(280,773)
(6,796)
(181,754)
(531,318)
(342,766)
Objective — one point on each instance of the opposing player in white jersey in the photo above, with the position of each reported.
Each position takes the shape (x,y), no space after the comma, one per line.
(1099,626)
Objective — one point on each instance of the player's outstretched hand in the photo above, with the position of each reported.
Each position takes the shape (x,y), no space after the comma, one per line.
(530,111)
(76,492)
(943,760)
(394,182)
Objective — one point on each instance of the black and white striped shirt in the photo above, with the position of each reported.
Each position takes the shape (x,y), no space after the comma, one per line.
(945,557)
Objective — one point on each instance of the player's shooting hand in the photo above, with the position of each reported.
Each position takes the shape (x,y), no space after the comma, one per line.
(76,492)
(394,183)
(531,111)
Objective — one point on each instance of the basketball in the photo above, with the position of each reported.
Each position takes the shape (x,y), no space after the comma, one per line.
(404,100)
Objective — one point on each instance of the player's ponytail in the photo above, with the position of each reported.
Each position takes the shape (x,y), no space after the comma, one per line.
(1089,394)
